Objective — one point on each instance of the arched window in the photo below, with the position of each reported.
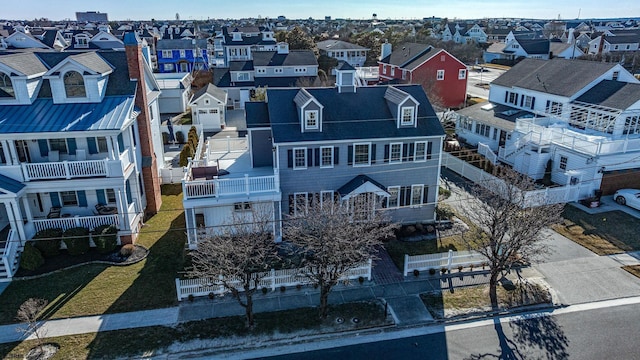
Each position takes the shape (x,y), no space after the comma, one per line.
(74,85)
(6,87)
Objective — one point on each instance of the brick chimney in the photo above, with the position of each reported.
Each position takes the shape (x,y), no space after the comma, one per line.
(135,62)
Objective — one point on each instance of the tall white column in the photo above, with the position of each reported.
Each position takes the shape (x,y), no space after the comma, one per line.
(27,208)
(121,203)
(7,152)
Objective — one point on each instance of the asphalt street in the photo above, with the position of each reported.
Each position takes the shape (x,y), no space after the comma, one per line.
(603,333)
(475,77)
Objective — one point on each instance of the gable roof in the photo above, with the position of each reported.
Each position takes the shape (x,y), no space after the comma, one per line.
(534,46)
(556,76)
(93,61)
(367,184)
(212,90)
(293,58)
(614,94)
(339,45)
(405,53)
(360,115)
(26,63)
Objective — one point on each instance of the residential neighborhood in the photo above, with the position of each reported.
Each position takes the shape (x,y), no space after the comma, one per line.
(275,187)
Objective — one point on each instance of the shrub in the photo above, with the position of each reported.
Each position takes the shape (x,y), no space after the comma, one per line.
(106,238)
(179,137)
(460,267)
(77,240)
(185,154)
(283,288)
(416,272)
(31,258)
(165,138)
(360,279)
(211,295)
(432,271)
(127,250)
(443,270)
(264,290)
(50,244)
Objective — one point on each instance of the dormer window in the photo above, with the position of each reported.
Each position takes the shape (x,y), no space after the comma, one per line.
(82,41)
(311,120)
(6,87)
(74,85)
(408,115)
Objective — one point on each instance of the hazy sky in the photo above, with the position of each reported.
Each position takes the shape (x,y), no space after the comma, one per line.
(295,9)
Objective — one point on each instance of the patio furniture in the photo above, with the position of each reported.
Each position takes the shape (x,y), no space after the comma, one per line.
(54,212)
(106,210)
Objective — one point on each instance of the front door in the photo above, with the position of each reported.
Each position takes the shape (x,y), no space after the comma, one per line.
(22,148)
(503,138)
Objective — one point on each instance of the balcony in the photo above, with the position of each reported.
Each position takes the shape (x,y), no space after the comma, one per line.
(238,186)
(89,222)
(76,169)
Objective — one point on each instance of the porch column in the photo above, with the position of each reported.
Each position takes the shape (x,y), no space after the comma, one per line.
(7,152)
(14,153)
(110,148)
(123,206)
(13,213)
(27,209)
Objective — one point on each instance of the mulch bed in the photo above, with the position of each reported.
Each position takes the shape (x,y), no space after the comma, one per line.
(64,260)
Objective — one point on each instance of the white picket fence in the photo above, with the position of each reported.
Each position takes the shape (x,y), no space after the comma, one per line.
(271,280)
(448,260)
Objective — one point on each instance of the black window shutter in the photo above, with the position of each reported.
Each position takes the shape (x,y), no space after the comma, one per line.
(336,155)
(506,96)
(373,153)
(405,152)
(386,153)
(425,195)
(429,149)
(411,151)
(407,195)
(350,155)
(290,158)
(291,203)
(516,100)
(403,190)
(533,102)
(316,159)
(309,157)
(521,100)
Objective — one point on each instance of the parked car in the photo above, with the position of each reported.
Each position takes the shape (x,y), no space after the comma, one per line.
(629,197)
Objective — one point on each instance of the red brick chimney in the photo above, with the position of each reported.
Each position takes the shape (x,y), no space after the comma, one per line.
(133,49)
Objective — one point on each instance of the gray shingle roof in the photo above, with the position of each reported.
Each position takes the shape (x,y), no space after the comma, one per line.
(395,95)
(212,90)
(330,45)
(26,63)
(293,58)
(175,44)
(535,46)
(302,97)
(405,53)
(360,115)
(623,39)
(557,76)
(241,65)
(614,94)
(92,61)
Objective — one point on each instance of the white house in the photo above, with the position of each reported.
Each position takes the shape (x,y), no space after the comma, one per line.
(208,108)
(175,92)
(353,54)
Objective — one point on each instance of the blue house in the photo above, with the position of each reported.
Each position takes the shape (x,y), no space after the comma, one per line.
(182,55)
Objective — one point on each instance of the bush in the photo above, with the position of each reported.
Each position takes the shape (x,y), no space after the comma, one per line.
(185,154)
(179,137)
(31,258)
(106,238)
(283,288)
(416,272)
(50,244)
(127,250)
(165,138)
(432,271)
(443,270)
(77,240)
(264,290)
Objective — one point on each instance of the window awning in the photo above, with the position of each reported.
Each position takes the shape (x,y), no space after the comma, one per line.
(362,184)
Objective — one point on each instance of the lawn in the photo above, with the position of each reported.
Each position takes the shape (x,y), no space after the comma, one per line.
(473,299)
(100,289)
(607,233)
(154,340)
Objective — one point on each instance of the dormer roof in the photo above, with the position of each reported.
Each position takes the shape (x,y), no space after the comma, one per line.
(24,64)
(303,97)
(90,61)
(396,95)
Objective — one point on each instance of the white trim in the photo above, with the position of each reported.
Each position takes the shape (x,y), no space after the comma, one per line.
(354,154)
(391,160)
(331,160)
(415,151)
(306,161)
(317,119)
(413,115)
(389,189)
(295,202)
(351,141)
(438,72)
(322,194)
(421,188)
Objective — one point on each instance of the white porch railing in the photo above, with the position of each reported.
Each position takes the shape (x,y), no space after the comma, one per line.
(89,222)
(272,280)
(448,260)
(220,187)
(10,253)
(64,169)
(485,150)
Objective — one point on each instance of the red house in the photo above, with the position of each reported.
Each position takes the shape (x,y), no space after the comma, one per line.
(443,77)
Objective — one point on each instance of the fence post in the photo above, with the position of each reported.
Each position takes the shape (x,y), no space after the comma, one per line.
(406,264)
(246,183)
(369,270)
(178,290)
(221,287)
(273,280)
(450,260)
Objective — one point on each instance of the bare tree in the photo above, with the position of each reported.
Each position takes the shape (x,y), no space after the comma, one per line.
(239,254)
(332,238)
(509,224)
(28,314)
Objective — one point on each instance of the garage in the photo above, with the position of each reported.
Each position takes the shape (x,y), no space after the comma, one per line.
(619,179)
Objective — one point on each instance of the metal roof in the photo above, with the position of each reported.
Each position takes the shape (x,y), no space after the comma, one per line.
(45,116)
(9,185)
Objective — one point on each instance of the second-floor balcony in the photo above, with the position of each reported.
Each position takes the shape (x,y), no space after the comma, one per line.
(68,169)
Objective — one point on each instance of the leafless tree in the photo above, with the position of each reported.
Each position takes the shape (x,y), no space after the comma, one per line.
(508,224)
(28,314)
(238,255)
(333,237)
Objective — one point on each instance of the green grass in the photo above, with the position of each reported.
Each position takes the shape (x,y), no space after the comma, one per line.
(607,233)
(151,340)
(476,299)
(100,289)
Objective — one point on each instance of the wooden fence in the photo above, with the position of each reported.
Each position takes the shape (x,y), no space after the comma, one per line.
(271,280)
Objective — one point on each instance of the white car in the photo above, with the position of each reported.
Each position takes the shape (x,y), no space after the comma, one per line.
(629,197)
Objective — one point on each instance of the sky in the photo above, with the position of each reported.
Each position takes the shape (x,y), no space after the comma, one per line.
(302,9)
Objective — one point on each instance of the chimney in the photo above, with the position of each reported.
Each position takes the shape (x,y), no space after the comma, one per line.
(135,64)
(570,38)
(601,45)
(385,50)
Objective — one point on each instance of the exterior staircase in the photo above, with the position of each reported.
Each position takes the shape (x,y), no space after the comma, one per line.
(11,249)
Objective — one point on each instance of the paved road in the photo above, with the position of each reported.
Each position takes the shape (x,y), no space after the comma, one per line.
(608,332)
(474,77)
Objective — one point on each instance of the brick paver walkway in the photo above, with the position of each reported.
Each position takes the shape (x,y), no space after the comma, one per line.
(384,270)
